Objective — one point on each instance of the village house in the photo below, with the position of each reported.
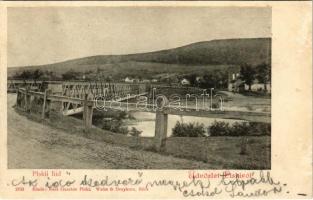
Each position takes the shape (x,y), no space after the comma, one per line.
(128,80)
(145,81)
(185,82)
(256,86)
(235,84)
(198,79)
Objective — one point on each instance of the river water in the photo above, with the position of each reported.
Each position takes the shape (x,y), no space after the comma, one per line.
(145,122)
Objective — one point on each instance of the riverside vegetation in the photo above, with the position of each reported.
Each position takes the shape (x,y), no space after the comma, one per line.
(116,122)
(220,128)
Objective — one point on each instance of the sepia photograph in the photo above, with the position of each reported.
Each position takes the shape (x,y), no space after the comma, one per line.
(139,87)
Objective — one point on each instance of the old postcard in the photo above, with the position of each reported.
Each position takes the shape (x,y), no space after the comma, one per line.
(156,100)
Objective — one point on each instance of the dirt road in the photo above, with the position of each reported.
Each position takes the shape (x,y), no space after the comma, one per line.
(35,145)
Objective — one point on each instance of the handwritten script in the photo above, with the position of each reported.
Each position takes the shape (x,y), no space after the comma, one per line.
(260,184)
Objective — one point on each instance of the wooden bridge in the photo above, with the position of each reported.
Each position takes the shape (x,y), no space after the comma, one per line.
(72,101)
(105,91)
(14,85)
(71,90)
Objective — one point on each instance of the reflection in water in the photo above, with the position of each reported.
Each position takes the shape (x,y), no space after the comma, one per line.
(146,122)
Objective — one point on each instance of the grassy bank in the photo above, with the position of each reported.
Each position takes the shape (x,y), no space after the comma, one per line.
(217,152)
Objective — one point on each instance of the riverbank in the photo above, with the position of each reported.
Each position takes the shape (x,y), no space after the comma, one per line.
(61,143)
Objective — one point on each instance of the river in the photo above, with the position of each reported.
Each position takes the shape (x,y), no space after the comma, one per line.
(145,122)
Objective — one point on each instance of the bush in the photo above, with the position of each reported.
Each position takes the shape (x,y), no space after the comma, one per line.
(115,114)
(123,130)
(115,126)
(121,115)
(188,130)
(112,120)
(134,132)
(219,129)
(112,125)
(239,129)
(260,128)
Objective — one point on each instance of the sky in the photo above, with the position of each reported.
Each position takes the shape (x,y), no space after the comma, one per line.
(47,35)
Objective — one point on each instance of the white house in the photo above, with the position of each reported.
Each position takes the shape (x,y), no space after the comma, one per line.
(198,79)
(235,84)
(145,81)
(129,80)
(185,82)
(255,86)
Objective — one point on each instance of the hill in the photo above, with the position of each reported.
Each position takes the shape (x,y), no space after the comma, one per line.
(225,52)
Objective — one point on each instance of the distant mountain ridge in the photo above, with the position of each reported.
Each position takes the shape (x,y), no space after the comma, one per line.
(253,51)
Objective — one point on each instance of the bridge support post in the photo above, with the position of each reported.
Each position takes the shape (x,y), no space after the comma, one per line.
(27,100)
(43,113)
(18,99)
(160,130)
(87,114)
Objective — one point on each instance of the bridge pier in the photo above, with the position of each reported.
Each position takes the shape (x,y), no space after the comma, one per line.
(27,101)
(160,130)
(46,104)
(161,119)
(18,99)
(88,111)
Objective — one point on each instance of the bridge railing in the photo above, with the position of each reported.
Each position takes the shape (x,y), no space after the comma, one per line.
(13,85)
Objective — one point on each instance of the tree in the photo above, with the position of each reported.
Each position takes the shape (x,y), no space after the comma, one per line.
(207,81)
(247,74)
(263,74)
(192,79)
(25,75)
(215,79)
(16,76)
(37,74)
(70,75)
(220,78)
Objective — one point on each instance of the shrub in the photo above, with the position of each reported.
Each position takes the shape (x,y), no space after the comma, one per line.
(259,128)
(123,130)
(121,115)
(188,130)
(219,129)
(130,116)
(112,125)
(115,126)
(239,129)
(115,114)
(134,132)
(111,120)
